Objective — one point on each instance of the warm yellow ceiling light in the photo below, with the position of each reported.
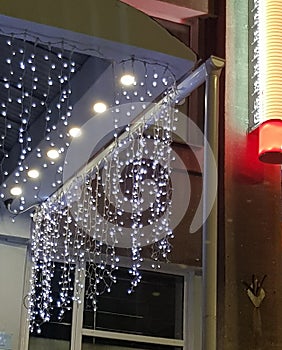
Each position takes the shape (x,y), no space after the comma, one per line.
(33,173)
(75,132)
(100,107)
(16,191)
(127,79)
(53,153)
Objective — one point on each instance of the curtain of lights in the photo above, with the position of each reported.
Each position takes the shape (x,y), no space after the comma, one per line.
(36,81)
(121,195)
(122,201)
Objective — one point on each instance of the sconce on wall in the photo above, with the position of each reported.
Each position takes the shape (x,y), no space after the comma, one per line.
(270,141)
(266,78)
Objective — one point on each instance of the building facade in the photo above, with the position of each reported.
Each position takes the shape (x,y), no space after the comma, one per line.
(249,191)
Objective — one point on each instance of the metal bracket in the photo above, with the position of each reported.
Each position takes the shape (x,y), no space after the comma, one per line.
(255,291)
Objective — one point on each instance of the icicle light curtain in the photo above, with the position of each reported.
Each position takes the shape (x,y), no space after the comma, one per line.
(88,221)
(109,205)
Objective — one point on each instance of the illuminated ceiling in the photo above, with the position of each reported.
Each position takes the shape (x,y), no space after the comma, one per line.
(99,64)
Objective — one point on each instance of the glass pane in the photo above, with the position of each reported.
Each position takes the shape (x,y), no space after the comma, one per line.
(55,334)
(47,344)
(155,308)
(91,343)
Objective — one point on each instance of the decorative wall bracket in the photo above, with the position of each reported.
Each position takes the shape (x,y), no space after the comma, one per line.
(255,291)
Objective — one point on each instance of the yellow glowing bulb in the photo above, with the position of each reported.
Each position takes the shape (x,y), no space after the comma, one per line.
(16,191)
(127,79)
(33,173)
(75,132)
(53,153)
(100,107)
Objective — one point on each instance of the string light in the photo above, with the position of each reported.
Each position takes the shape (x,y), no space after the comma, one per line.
(110,205)
(29,94)
(89,218)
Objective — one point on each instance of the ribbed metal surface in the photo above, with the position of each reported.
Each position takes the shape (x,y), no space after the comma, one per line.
(41,63)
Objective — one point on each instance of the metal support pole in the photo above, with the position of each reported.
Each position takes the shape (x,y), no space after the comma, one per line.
(209,240)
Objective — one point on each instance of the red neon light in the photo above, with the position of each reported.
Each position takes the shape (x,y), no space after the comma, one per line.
(270,141)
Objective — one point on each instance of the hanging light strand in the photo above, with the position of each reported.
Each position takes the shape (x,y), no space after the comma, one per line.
(84,224)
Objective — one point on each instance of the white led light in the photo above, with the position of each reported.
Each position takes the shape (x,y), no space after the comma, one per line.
(147,164)
(16,191)
(53,153)
(127,79)
(75,132)
(33,173)
(100,107)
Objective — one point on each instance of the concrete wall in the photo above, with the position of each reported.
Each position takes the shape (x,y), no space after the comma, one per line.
(251,241)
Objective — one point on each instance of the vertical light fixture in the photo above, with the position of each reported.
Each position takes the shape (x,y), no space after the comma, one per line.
(269,49)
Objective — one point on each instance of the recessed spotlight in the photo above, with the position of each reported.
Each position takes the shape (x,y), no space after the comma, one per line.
(100,107)
(127,79)
(53,153)
(16,191)
(75,132)
(33,173)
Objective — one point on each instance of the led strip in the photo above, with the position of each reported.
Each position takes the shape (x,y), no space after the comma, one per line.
(270,80)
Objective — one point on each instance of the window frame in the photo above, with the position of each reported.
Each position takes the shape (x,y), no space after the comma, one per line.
(191,319)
